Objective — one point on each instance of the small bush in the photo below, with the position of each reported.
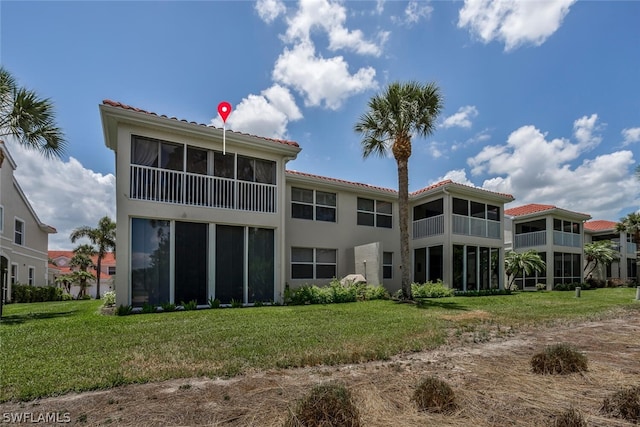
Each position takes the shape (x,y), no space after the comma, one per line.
(335,292)
(214,302)
(84,297)
(168,307)
(624,404)
(258,304)
(541,286)
(570,418)
(431,290)
(26,293)
(485,292)
(236,303)
(149,308)
(326,405)
(191,305)
(109,298)
(559,359)
(571,286)
(124,310)
(434,395)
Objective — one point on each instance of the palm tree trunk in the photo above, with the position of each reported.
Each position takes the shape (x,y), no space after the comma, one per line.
(403,207)
(98,276)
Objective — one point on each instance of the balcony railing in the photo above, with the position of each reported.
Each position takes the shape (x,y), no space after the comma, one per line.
(560,238)
(162,185)
(470,226)
(428,227)
(631,248)
(526,240)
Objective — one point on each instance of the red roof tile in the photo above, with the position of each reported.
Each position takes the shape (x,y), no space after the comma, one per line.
(528,209)
(128,107)
(341,181)
(457,184)
(600,225)
(108,261)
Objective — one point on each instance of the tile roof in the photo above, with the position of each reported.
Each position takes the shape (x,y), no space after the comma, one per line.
(535,208)
(600,225)
(340,181)
(108,260)
(139,110)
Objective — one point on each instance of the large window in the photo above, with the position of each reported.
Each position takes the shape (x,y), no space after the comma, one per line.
(387,265)
(32,276)
(313,204)
(150,261)
(567,268)
(476,209)
(18,235)
(566,226)
(313,263)
(375,213)
(428,210)
(256,170)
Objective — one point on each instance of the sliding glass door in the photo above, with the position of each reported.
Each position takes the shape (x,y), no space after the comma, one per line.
(191,259)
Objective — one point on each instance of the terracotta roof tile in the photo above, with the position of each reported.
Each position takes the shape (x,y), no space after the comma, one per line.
(528,209)
(108,261)
(600,225)
(340,181)
(139,110)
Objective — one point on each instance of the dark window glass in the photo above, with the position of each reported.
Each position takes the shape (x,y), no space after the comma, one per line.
(428,210)
(557,225)
(144,151)
(301,211)
(171,156)
(301,195)
(224,165)
(196,160)
(493,213)
(191,262)
(566,226)
(384,221)
(477,210)
(384,207)
(575,228)
(261,266)
(365,205)
(302,271)
(302,255)
(325,199)
(265,171)
(229,263)
(325,214)
(366,219)
(325,271)
(245,168)
(460,207)
(150,247)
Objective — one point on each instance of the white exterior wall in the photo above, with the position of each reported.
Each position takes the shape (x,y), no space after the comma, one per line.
(33,252)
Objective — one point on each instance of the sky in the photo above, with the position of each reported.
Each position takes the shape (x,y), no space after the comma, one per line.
(541,98)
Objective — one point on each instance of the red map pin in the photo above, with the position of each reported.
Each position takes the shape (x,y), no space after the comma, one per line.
(224,109)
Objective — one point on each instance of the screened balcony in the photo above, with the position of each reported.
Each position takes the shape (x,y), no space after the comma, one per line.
(426,227)
(526,240)
(168,186)
(470,226)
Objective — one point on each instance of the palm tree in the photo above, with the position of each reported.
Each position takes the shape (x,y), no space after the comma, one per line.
(600,252)
(630,224)
(82,260)
(29,118)
(393,118)
(103,236)
(529,262)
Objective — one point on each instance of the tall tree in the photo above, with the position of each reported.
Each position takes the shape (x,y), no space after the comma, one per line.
(600,252)
(630,224)
(103,236)
(28,118)
(401,111)
(529,262)
(82,260)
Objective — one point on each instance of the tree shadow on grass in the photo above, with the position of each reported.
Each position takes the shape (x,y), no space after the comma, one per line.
(426,303)
(16,319)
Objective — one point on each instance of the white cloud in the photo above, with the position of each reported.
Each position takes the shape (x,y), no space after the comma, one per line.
(583,129)
(513,22)
(537,170)
(415,11)
(267,114)
(322,82)
(269,10)
(462,118)
(456,175)
(379,7)
(331,17)
(630,136)
(64,195)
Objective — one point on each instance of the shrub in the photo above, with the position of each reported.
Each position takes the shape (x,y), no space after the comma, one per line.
(434,395)
(149,308)
(191,305)
(326,405)
(26,293)
(541,286)
(624,404)
(571,286)
(559,359)
(109,298)
(124,310)
(570,418)
(431,290)
(484,292)
(214,302)
(236,303)
(168,307)
(334,293)
(84,297)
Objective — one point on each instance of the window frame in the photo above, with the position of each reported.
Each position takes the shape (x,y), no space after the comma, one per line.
(31,275)
(376,213)
(21,233)
(315,205)
(315,263)
(387,266)
(13,273)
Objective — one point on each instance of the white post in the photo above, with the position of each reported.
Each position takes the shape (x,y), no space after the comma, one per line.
(578,289)
(638,293)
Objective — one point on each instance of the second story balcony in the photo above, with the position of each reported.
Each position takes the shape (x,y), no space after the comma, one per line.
(427,227)
(470,226)
(527,240)
(169,186)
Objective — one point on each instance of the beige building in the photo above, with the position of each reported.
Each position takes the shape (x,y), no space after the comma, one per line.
(625,268)
(556,234)
(199,219)
(23,237)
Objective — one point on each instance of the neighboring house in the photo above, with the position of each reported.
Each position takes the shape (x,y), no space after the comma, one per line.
(558,237)
(59,266)
(23,237)
(626,267)
(197,219)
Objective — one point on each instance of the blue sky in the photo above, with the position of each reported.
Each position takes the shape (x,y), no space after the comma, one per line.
(542,98)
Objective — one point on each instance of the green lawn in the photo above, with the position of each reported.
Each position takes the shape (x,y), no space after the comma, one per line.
(56,347)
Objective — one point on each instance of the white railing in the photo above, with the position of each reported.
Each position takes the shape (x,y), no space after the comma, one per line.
(560,238)
(470,226)
(161,185)
(526,240)
(426,227)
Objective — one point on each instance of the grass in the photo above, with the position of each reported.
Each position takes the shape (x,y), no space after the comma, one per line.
(57,347)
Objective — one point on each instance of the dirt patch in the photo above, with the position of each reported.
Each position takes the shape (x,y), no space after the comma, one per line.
(492,380)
